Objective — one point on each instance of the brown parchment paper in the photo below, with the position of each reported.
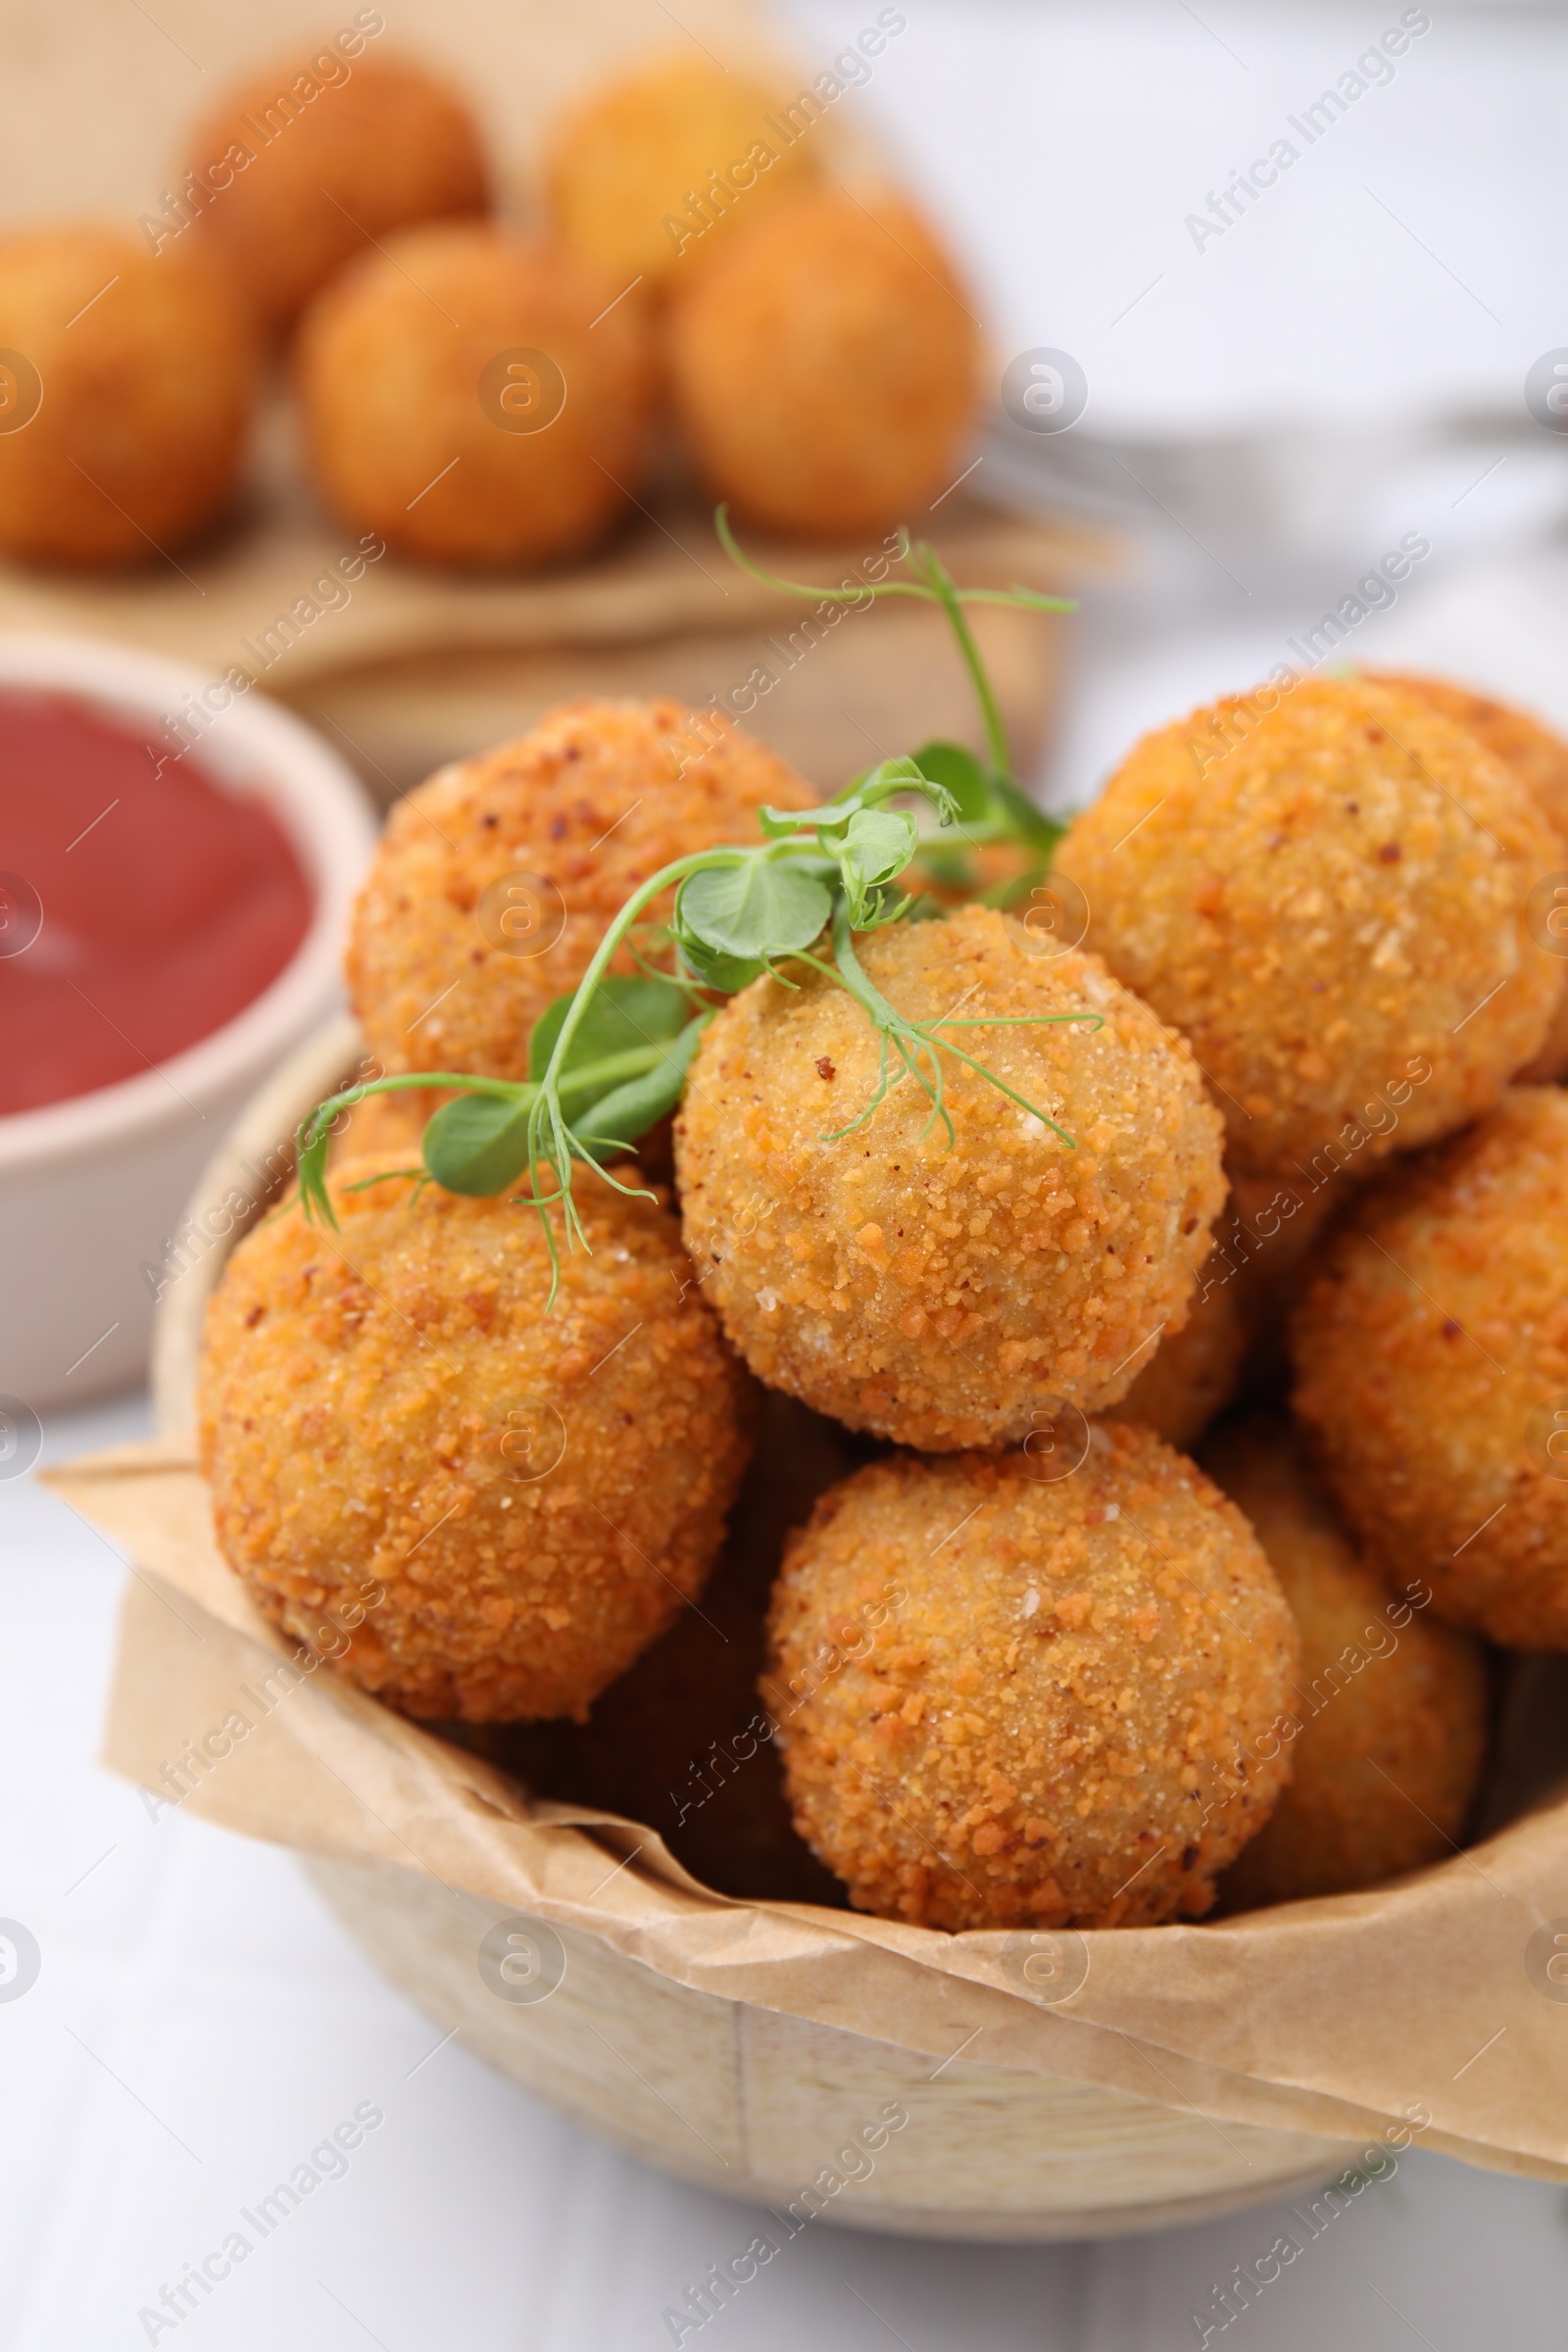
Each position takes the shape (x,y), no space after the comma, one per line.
(407,667)
(1330,2017)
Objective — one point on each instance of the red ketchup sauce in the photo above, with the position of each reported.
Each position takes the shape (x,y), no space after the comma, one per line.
(141,904)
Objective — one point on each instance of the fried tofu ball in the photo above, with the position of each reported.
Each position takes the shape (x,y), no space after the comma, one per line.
(304,166)
(1540,759)
(533,1492)
(127,383)
(1191,1374)
(1431,1352)
(1007,1700)
(654,164)
(1329,901)
(941,1294)
(496,881)
(1387,1720)
(467,395)
(824,365)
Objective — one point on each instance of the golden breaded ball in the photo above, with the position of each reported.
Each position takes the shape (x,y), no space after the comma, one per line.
(1387,1723)
(127,383)
(305,164)
(1190,1375)
(531,1493)
(1431,1352)
(650,168)
(1008,1700)
(1270,1226)
(681,1742)
(941,1294)
(1537,757)
(1540,759)
(496,881)
(1329,899)
(825,365)
(381,1126)
(466,395)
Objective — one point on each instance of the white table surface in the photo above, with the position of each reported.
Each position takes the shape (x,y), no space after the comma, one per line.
(1411,260)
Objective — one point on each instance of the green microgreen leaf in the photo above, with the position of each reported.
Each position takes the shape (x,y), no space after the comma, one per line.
(623,1014)
(962,776)
(311,1167)
(786,824)
(878,844)
(608,1060)
(630,1109)
(314,1136)
(888,780)
(757,908)
(727,973)
(988,796)
(479,1145)
(1031,824)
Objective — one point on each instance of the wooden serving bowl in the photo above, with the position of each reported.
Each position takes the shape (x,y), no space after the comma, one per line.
(749,2101)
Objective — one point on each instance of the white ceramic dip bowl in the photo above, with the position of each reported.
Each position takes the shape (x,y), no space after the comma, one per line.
(92,1189)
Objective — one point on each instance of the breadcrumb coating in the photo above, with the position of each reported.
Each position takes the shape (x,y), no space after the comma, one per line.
(594,799)
(141,372)
(825,364)
(372,149)
(625,165)
(1540,759)
(939,1293)
(1431,1352)
(419,369)
(1003,1700)
(1329,902)
(1390,1709)
(387,1127)
(1268,1232)
(1537,757)
(390,1407)
(681,1743)
(1191,1375)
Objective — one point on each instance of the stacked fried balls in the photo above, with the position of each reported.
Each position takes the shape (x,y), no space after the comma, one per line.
(697,283)
(1254,1171)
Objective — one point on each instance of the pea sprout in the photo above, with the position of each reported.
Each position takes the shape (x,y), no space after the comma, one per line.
(610,1059)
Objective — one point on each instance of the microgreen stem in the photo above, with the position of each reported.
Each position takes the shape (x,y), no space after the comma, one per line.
(1033,599)
(924,1033)
(941,580)
(831,867)
(593,1077)
(675,871)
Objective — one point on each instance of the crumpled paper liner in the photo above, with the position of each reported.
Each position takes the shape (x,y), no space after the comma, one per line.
(1332,2016)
